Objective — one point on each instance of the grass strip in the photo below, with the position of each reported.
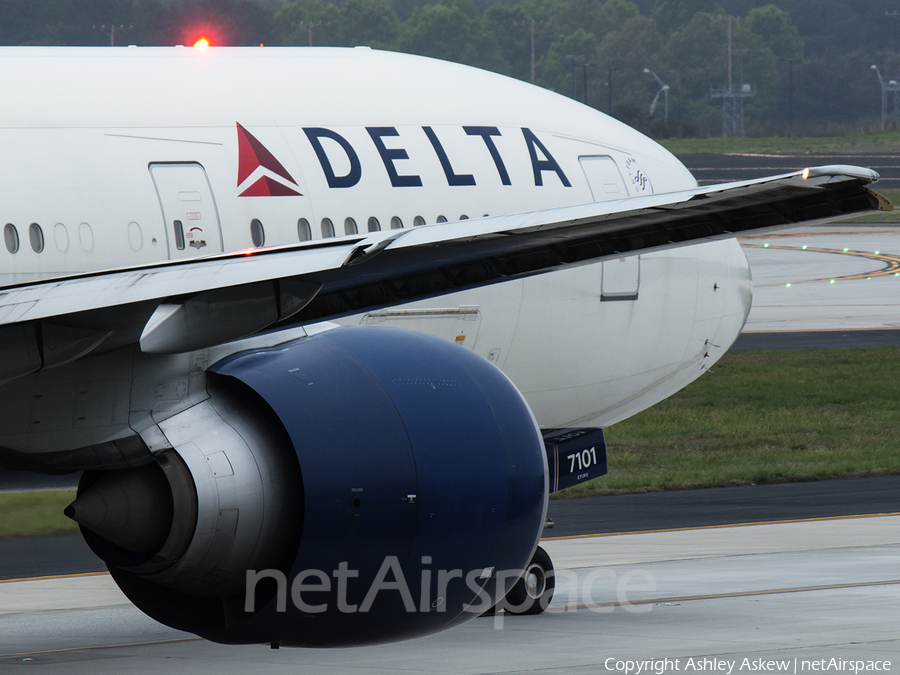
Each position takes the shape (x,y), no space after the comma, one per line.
(33,514)
(875,142)
(763,417)
(757,417)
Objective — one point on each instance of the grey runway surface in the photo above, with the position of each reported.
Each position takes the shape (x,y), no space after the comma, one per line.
(818,339)
(46,556)
(826,279)
(20,481)
(752,596)
(724,506)
(723,168)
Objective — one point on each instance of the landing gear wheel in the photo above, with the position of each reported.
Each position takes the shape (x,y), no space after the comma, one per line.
(534,591)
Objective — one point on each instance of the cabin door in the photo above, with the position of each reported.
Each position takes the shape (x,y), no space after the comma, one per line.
(188,209)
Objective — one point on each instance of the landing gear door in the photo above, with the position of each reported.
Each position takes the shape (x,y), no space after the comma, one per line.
(188,209)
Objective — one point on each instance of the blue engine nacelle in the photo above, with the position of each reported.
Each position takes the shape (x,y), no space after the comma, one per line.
(401,488)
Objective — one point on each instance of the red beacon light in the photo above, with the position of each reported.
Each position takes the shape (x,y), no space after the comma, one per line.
(201,44)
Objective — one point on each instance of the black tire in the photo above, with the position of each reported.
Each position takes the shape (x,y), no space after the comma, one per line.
(534,591)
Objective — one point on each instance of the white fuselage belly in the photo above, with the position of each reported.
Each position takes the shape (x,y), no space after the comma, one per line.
(362,135)
(585,361)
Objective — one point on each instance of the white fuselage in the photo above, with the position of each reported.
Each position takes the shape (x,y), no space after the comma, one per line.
(122,157)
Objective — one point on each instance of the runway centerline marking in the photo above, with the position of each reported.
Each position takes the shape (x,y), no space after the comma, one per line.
(718,527)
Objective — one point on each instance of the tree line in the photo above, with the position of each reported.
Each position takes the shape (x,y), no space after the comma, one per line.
(807,64)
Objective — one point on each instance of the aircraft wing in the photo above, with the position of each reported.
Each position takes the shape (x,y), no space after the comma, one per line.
(179,306)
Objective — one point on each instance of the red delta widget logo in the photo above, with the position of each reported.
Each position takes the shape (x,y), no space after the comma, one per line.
(254,160)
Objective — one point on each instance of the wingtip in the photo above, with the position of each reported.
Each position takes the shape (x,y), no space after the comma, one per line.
(842,170)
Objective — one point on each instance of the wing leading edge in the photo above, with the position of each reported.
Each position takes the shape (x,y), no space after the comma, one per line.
(163,306)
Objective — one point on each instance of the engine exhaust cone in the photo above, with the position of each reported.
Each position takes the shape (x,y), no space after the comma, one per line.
(132,508)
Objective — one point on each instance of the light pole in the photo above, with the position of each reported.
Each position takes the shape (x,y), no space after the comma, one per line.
(575,61)
(309,26)
(889,86)
(111,29)
(791,96)
(533,25)
(609,91)
(881,84)
(579,59)
(664,90)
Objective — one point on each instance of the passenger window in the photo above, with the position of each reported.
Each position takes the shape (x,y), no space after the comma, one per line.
(86,236)
(374,225)
(442,219)
(179,234)
(11,237)
(327,228)
(304,233)
(396,223)
(36,235)
(418,220)
(135,236)
(61,234)
(350,226)
(464,217)
(257,233)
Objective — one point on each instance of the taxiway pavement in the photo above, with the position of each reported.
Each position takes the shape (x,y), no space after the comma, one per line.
(833,278)
(745,595)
